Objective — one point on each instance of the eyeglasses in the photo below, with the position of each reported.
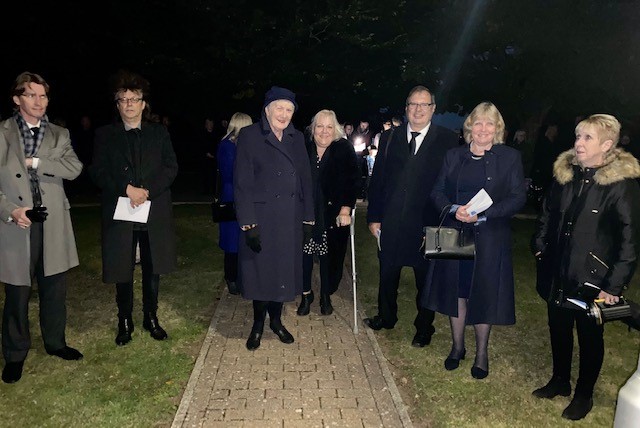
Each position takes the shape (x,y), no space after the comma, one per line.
(32,97)
(421,105)
(125,101)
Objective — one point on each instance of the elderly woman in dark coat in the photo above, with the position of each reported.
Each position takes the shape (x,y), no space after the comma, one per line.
(336,179)
(587,238)
(478,292)
(274,207)
(134,158)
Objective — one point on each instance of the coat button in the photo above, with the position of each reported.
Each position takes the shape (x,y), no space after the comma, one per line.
(278,173)
(293,194)
(20,197)
(18,175)
(293,173)
(125,168)
(488,178)
(277,195)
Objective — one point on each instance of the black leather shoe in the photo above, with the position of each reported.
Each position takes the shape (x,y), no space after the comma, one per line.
(12,372)
(376,323)
(253,342)
(283,334)
(578,408)
(67,353)
(420,340)
(305,304)
(326,308)
(478,373)
(125,328)
(452,363)
(151,324)
(233,288)
(555,387)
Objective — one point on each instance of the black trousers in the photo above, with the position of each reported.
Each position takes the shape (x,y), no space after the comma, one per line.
(590,341)
(150,281)
(388,297)
(331,264)
(231,266)
(52,293)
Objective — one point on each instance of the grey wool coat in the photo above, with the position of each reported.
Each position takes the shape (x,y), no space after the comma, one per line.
(272,188)
(112,170)
(57,162)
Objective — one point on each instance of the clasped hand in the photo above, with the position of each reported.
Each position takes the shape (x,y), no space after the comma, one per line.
(463,216)
(137,195)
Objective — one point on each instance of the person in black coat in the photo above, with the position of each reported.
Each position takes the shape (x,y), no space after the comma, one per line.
(407,164)
(274,207)
(134,159)
(336,178)
(477,292)
(587,245)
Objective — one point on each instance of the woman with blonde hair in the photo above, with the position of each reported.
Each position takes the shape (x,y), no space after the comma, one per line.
(229,230)
(478,292)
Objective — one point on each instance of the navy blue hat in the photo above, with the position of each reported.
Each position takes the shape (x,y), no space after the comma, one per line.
(278,93)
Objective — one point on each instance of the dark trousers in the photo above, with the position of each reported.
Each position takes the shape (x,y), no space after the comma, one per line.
(388,297)
(260,309)
(231,266)
(590,341)
(331,264)
(52,293)
(150,281)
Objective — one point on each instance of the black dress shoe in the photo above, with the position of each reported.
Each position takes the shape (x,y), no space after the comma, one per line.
(376,323)
(151,324)
(326,308)
(420,340)
(283,334)
(67,353)
(253,342)
(305,304)
(233,288)
(478,373)
(578,408)
(556,386)
(125,328)
(452,363)
(12,372)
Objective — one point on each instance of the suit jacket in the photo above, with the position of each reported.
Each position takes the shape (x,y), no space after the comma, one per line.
(399,191)
(57,161)
(112,170)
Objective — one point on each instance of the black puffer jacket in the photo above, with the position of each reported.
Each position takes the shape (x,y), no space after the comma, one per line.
(589,227)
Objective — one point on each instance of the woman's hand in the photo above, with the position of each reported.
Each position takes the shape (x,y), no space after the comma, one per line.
(463,216)
(608,299)
(344,217)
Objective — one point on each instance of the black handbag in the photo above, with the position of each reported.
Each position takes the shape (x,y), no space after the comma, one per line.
(443,242)
(221,211)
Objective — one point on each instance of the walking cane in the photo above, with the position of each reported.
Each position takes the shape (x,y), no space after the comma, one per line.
(352,232)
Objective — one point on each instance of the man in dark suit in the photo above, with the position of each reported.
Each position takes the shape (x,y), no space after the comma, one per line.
(409,159)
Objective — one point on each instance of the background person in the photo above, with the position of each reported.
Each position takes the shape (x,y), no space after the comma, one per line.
(587,232)
(399,207)
(134,158)
(478,292)
(335,176)
(35,157)
(229,231)
(273,197)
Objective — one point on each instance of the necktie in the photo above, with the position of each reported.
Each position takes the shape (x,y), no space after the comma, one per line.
(412,143)
(35,131)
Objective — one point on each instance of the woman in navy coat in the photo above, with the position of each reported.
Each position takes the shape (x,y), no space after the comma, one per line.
(229,230)
(478,292)
(274,199)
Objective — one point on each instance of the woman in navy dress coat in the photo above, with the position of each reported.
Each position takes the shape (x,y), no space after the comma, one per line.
(229,230)
(478,292)
(274,207)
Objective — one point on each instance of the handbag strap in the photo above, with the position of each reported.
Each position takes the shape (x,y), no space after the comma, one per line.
(443,214)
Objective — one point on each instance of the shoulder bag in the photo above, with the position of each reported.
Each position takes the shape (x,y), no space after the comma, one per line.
(221,211)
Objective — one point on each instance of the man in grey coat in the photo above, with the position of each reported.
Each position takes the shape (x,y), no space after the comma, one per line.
(36,235)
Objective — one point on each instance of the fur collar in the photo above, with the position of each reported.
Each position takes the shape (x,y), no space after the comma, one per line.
(618,165)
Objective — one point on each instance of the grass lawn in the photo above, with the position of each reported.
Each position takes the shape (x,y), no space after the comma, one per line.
(140,385)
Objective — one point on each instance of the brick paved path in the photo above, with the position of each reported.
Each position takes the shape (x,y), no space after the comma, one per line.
(330,377)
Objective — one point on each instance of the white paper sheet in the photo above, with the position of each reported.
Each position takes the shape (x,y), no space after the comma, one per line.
(124,211)
(479,203)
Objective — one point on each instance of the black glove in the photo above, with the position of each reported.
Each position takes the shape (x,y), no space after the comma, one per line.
(37,214)
(252,238)
(307,233)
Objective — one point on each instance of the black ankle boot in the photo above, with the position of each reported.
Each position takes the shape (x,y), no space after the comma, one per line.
(253,342)
(556,386)
(151,324)
(325,304)
(125,328)
(305,304)
(578,408)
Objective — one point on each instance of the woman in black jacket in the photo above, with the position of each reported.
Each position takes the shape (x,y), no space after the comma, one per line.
(587,243)
(336,178)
